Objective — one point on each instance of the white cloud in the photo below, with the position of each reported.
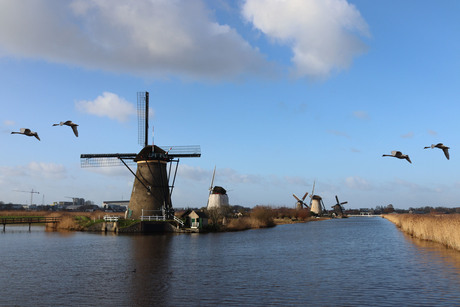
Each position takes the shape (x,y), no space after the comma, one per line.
(109,105)
(47,170)
(156,38)
(194,173)
(432,132)
(223,175)
(296,181)
(33,169)
(358,183)
(323,34)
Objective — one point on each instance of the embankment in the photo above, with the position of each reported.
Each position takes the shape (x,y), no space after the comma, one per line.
(443,229)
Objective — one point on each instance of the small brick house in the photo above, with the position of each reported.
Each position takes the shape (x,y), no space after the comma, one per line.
(196,219)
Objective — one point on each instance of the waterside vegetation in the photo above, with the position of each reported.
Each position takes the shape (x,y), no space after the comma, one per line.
(227,219)
(73,221)
(443,228)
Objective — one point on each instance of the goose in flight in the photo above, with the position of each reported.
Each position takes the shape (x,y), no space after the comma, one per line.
(28,132)
(70,124)
(444,148)
(399,155)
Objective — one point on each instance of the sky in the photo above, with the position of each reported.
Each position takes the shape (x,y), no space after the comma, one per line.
(278,94)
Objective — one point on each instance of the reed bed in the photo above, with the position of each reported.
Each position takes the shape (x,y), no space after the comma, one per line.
(260,217)
(443,229)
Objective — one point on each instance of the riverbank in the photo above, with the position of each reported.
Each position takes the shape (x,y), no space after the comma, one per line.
(284,221)
(93,221)
(443,229)
(69,221)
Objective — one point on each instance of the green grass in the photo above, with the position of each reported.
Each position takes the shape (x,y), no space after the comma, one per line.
(122,223)
(85,221)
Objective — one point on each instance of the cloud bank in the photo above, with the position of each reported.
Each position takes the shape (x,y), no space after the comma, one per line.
(34,169)
(164,38)
(147,37)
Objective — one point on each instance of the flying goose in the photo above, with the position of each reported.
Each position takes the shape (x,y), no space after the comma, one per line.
(399,155)
(440,146)
(70,124)
(28,132)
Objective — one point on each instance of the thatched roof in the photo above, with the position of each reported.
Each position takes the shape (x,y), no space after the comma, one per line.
(218,190)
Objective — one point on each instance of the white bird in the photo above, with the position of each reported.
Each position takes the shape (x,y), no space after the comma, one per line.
(444,148)
(28,132)
(399,155)
(70,124)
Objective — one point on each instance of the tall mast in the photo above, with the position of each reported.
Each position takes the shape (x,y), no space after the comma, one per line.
(146,119)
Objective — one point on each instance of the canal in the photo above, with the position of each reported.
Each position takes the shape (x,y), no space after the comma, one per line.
(358,261)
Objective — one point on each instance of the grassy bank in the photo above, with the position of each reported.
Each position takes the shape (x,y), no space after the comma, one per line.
(444,229)
(68,220)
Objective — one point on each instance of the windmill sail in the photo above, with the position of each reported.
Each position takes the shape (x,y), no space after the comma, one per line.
(143,117)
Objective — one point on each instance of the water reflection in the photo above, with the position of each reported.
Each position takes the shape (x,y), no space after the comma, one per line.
(150,269)
(434,252)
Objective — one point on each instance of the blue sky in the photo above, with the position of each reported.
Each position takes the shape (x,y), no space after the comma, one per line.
(278,94)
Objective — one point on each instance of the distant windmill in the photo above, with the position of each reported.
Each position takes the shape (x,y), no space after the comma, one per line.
(154,181)
(300,202)
(218,197)
(316,203)
(338,208)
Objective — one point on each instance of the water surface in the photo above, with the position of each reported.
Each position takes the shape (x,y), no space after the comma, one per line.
(350,262)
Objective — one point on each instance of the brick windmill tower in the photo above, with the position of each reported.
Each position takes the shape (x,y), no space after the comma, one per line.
(156,169)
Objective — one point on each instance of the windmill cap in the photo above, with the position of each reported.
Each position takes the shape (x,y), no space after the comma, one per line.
(151,152)
(218,190)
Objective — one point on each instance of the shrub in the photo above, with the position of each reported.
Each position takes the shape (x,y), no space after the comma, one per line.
(262,216)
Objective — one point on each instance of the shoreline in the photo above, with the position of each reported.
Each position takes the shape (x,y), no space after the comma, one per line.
(93,222)
(443,229)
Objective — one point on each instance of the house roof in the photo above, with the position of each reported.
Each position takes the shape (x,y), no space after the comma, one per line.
(199,214)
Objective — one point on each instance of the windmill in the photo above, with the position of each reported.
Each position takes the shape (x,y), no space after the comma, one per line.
(218,197)
(156,168)
(338,208)
(316,203)
(300,202)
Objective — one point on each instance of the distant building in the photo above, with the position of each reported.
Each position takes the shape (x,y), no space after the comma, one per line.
(195,219)
(115,205)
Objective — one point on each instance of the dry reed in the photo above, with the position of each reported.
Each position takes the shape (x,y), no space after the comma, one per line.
(68,219)
(444,229)
(260,217)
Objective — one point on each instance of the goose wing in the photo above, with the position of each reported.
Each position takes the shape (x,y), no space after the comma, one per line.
(75,131)
(446,152)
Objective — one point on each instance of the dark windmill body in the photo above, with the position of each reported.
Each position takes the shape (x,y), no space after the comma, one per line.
(338,208)
(156,170)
